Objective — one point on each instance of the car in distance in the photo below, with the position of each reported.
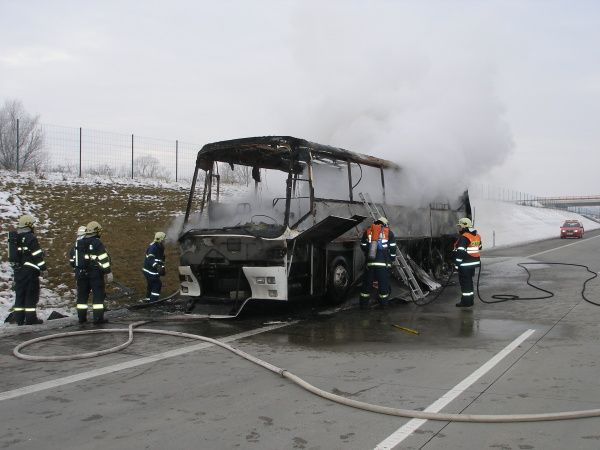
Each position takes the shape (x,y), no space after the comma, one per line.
(571,228)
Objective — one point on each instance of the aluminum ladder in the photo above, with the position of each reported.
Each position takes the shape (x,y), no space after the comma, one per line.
(400,267)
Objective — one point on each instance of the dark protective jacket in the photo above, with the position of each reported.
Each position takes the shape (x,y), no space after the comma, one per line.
(467,249)
(94,254)
(386,245)
(30,253)
(154,262)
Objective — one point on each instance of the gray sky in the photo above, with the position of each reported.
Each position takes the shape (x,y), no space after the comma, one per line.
(505,92)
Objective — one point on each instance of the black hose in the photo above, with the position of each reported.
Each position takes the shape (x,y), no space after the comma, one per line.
(506,297)
(437,295)
(152,303)
(361,175)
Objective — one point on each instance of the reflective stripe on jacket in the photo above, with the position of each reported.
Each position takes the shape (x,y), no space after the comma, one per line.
(155,259)
(467,249)
(32,254)
(96,254)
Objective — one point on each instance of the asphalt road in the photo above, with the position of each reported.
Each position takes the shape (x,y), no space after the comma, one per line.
(207,398)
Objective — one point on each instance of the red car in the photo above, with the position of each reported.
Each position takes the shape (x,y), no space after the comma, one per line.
(571,228)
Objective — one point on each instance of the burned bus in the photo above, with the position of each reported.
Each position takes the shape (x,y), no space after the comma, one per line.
(289,229)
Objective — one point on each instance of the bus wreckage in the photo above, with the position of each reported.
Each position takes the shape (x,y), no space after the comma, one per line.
(294,235)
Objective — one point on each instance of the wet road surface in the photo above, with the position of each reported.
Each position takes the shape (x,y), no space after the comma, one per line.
(210,398)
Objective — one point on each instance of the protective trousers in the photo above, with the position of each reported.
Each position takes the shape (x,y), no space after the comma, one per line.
(465,278)
(27,295)
(90,281)
(382,276)
(153,286)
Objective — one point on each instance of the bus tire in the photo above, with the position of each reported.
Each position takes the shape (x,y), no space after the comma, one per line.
(338,281)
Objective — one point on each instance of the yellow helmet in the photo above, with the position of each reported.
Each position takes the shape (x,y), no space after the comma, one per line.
(465,222)
(93,228)
(26,221)
(159,236)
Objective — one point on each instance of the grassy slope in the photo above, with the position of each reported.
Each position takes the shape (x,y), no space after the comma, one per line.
(129,214)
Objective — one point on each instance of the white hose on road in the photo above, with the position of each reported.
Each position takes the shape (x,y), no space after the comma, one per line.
(407,413)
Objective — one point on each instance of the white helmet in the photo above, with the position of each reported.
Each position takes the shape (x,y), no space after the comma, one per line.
(383,220)
(81,231)
(159,236)
(465,222)
(26,221)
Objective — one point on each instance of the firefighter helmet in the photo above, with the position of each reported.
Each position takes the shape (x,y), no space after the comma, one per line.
(81,231)
(93,228)
(465,222)
(383,220)
(159,236)
(26,221)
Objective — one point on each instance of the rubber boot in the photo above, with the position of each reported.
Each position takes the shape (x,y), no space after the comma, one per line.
(383,305)
(82,315)
(19,317)
(31,318)
(462,304)
(99,317)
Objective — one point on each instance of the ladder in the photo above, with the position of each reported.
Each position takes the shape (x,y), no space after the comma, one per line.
(400,266)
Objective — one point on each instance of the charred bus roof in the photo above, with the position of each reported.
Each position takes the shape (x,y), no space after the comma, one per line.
(283,153)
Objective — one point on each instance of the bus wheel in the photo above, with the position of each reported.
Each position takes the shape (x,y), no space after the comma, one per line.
(339,280)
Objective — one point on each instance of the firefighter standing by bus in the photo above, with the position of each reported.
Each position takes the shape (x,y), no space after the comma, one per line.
(466,258)
(154,266)
(379,244)
(27,258)
(92,263)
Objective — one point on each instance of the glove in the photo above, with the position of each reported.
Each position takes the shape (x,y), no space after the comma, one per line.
(109,277)
(161,270)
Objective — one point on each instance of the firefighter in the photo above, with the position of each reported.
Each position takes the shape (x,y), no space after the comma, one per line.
(466,259)
(92,263)
(28,262)
(379,245)
(154,266)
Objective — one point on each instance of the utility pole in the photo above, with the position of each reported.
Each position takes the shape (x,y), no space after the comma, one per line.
(17,145)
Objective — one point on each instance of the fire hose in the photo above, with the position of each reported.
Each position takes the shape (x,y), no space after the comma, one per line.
(499,298)
(407,413)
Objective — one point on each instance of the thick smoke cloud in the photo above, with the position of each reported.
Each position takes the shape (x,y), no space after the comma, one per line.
(423,98)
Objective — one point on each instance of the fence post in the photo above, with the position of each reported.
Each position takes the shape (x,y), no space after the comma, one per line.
(176,157)
(132,156)
(17,145)
(79,152)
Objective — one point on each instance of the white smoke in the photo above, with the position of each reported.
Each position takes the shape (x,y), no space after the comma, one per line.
(238,204)
(423,98)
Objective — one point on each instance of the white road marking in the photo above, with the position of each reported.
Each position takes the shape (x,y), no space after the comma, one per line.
(412,425)
(6,395)
(579,241)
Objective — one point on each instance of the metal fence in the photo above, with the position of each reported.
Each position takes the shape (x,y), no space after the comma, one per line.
(84,151)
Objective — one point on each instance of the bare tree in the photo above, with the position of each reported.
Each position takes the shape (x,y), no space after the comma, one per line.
(232,174)
(149,167)
(31,138)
